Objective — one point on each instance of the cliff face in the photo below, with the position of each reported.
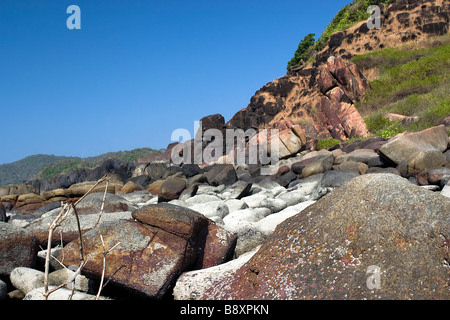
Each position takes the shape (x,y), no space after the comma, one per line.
(320,97)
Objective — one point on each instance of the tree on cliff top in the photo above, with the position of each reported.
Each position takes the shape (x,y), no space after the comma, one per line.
(302,50)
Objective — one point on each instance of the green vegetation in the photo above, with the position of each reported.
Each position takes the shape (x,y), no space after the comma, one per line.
(326,144)
(344,19)
(68,165)
(25,169)
(303,51)
(412,82)
(47,166)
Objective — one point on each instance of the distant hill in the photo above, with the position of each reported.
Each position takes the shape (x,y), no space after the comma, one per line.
(48,166)
(25,169)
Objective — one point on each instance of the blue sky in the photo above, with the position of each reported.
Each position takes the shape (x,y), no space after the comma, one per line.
(137,70)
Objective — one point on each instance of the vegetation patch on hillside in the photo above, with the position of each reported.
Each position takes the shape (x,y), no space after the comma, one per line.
(413,82)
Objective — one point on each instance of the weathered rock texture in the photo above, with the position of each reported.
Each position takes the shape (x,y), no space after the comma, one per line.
(330,249)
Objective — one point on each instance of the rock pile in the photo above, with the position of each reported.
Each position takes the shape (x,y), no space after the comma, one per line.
(319,222)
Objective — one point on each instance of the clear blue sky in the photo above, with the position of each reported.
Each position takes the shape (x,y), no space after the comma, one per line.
(137,69)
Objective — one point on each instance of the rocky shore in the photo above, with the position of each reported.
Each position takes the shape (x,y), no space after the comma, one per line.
(311,230)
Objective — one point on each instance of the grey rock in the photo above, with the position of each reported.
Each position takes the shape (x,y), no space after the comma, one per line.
(18,248)
(211,209)
(26,279)
(3,290)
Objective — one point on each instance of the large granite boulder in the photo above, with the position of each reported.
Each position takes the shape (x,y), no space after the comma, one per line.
(163,241)
(18,248)
(419,150)
(377,237)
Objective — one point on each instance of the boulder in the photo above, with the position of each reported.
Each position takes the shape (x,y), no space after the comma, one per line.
(80,189)
(377,237)
(446,190)
(219,247)
(312,159)
(60,294)
(433,176)
(211,209)
(171,189)
(249,237)
(28,203)
(2,213)
(68,231)
(163,241)
(321,164)
(149,260)
(3,290)
(18,248)
(93,202)
(191,285)
(202,198)
(183,222)
(358,167)
(131,187)
(238,190)
(27,279)
(155,187)
(221,174)
(420,150)
(156,170)
(268,224)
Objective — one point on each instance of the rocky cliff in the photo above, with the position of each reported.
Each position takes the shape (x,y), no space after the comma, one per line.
(320,97)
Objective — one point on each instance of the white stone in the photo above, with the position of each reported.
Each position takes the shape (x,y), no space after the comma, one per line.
(446,190)
(249,236)
(202,198)
(26,279)
(249,214)
(60,294)
(267,225)
(275,205)
(191,285)
(235,204)
(211,209)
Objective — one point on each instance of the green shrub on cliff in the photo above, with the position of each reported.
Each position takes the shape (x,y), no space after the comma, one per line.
(302,51)
(346,18)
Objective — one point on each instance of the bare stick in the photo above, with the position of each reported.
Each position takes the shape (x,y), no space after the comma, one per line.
(80,235)
(58,220)
(52,227)
(105,253)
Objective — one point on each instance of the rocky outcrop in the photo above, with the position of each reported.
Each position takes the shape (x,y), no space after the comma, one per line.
(320,101)
(401,22)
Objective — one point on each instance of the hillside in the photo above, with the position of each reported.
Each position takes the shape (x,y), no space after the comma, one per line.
(48,166)
(400,68)
(19,171)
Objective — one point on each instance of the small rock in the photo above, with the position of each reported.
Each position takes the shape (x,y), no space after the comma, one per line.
(171,189)
(202,198)
(235,204)
(211,209)
(221,174)
(250,214)
(358,167)
(193,284)
(130,187)
(60,294)
(3,290)
(275,205)
(18,248)
(26,279)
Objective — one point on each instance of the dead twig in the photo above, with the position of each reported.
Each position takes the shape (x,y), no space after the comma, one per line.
(56,222)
